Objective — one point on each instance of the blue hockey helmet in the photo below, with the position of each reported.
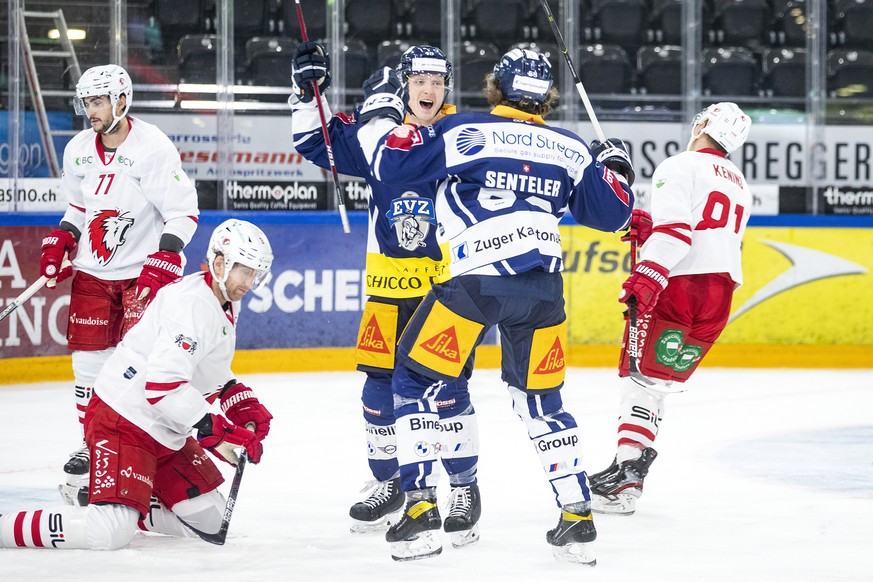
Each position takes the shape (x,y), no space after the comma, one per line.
(524,75)
(424,59)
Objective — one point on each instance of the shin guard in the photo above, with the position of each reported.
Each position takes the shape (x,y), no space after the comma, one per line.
(555,438)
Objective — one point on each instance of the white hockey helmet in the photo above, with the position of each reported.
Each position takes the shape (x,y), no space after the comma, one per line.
(110,80)
(727,125)
(240,242)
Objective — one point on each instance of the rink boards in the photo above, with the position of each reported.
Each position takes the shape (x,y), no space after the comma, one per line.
(805,301)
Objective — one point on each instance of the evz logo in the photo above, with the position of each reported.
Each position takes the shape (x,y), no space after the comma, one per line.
(411,215)
(106,233)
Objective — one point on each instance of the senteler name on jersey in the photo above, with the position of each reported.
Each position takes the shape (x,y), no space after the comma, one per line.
(522,183)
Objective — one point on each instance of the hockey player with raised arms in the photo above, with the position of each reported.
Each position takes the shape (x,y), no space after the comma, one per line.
(403,260)
(131,211)
(505,268)
(158,384)
(690,266)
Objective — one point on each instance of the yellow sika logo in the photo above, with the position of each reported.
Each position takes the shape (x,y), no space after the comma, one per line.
(372,339)
(554,360)
(444,345)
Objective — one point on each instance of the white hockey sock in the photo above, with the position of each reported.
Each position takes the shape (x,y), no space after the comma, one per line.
(640,414)
(86,366)
(95,527)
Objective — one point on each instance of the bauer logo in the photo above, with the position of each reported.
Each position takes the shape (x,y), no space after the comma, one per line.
(470,141)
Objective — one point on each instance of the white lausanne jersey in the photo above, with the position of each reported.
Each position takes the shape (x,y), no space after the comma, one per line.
(170,366)
(700,205)
(123,202)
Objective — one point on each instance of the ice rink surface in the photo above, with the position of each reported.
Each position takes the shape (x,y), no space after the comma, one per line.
(762,475)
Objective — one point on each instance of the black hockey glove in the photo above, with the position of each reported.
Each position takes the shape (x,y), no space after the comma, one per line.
(385,80)
(311,63)
(614,155)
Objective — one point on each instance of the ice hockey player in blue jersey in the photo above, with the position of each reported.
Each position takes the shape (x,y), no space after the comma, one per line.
(505,181)
(403,260)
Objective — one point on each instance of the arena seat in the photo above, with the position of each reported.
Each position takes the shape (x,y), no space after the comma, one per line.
(730,71)
(659,69)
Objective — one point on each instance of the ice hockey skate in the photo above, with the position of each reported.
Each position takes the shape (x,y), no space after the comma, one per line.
(416,535)
(461,523)
(380,509)
(74,490)
(573,537)
(615,490)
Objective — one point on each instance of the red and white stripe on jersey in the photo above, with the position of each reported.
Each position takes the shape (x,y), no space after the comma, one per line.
(156,391)
(677,230)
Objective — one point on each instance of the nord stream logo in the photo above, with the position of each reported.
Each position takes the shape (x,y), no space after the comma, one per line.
(807,265)
(471,141)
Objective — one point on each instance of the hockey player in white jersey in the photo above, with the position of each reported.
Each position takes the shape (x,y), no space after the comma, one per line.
(506,179)
(403,259)
(131,211)
(159,383)
(688,271)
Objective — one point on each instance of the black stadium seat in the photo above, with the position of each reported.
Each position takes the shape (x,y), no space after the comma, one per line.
(665,21)
(388,53)
(604,68)
(622,22)
(197,58)
(730,71)
(176,19)
(853,21)
(850,73)
(424,19)
(477,60)
(371,21)
(500,22)
(789,22)
(268,61)
(740,22)
(659,69)
(314,16)
(784,71)
(359,67)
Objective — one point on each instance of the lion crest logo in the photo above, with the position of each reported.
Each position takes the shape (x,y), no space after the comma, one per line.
(106,233)
(411,215)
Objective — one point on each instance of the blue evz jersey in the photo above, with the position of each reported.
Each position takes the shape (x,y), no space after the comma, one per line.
(505,181)
(403,256)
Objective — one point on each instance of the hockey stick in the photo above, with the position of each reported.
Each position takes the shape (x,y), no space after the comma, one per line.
(29,292)
(327,145)
(563,48)
(633,332)
(219,538)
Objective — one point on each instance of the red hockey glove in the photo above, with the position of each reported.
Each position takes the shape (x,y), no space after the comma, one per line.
(240,406)
(54,248)
(160,268)
(645,283)
(221,437)
(640,227)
